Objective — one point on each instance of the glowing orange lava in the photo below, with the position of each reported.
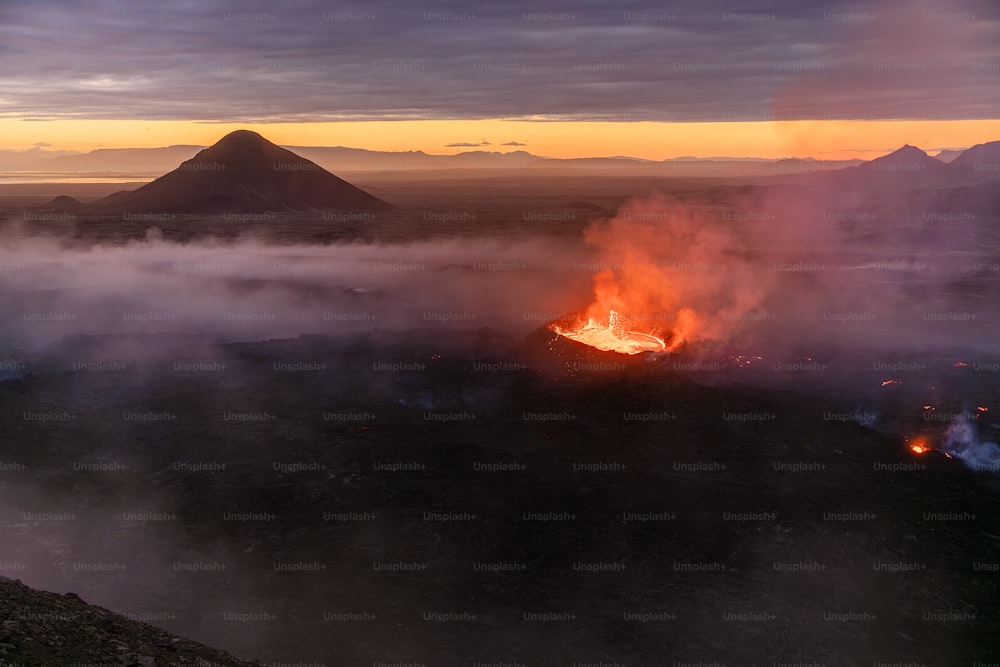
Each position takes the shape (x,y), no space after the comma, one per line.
(613,336)
(918,444)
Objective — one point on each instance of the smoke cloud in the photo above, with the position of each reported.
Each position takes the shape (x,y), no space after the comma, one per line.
(247,290)
(962,440)
(785,269)
(673,271)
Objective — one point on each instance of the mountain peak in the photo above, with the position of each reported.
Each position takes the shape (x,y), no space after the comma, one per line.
(246,150)
(906,159)
(242,172)
(907,151)
(242,135)
(242,139)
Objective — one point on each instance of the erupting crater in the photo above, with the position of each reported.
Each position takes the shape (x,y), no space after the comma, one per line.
(576,343)
(614,335)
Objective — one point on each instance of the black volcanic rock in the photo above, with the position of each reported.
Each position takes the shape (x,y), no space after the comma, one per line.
(699,467)
(242,173)
(39,628)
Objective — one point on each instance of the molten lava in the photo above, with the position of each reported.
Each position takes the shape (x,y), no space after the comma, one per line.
(612,336)
(670,275)
(917,444)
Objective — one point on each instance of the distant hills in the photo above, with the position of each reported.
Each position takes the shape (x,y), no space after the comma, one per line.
(246,173)
(982,160)
(910,167)
(128,160)
(907,158)
(242,173)
(947,155)
(151,162)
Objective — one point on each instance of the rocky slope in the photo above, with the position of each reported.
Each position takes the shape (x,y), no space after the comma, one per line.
(40,629)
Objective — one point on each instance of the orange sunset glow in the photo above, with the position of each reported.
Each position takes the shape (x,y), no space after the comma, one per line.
(831,140)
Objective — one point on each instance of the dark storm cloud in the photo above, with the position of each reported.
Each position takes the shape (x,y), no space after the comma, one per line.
(233,61)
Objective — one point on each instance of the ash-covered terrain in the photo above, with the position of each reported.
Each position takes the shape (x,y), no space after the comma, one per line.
(419,498)
(311,439)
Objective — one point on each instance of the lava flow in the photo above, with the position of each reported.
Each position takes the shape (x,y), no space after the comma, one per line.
(613,336)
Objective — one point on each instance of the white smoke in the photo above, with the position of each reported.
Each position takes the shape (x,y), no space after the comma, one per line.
(248,290)
(962,441)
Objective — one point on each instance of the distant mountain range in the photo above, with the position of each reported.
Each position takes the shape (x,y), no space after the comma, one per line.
(151,162)
(911,167)
(246,173)
(947,155)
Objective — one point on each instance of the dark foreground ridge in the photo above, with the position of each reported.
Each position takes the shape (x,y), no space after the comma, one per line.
(242,173)
(39,629)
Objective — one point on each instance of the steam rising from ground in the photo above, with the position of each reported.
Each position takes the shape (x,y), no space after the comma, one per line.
(962,440)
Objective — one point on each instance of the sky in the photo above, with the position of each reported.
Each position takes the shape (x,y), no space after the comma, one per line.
(827,79)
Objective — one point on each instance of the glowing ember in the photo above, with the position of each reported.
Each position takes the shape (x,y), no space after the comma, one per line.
(889,382)
(743,360)
(919,446)
(614,336)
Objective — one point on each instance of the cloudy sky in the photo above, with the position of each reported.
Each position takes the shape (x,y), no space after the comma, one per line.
(685,61)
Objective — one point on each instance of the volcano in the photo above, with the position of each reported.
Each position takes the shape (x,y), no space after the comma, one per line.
(242,173)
